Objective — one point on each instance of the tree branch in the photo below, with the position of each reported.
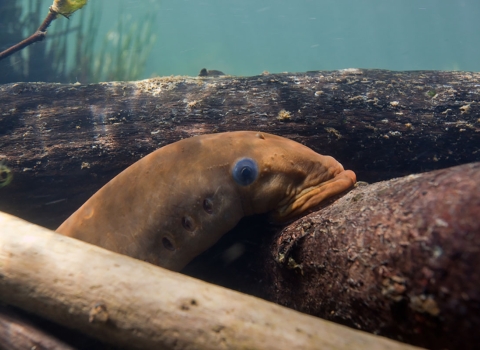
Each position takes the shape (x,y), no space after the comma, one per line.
(39,35)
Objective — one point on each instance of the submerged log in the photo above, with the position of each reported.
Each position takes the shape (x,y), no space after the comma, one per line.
(63,142)
(399,258)
(140,306)
(18,333)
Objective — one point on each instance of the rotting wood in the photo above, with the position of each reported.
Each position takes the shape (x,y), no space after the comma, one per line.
(63,142)
(400,258)
(140,306)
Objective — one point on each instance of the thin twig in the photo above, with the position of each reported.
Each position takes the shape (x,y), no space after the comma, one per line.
(39,35)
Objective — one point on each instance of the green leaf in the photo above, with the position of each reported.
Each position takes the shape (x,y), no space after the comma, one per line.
(67,7)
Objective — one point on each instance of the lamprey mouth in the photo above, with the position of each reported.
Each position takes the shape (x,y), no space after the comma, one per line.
(312,196)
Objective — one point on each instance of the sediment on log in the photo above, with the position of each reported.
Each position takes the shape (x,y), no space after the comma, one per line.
(400,258)
(63,142)
(141,306)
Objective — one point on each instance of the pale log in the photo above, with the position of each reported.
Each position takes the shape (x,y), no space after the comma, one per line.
(140,306)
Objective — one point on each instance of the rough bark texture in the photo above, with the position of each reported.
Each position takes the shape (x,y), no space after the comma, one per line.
(63,142)
(140,306)
(399,258)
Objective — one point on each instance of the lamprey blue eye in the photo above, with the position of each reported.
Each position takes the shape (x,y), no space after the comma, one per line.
(245,171)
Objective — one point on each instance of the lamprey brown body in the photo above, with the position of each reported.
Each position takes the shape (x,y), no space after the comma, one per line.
(179,200)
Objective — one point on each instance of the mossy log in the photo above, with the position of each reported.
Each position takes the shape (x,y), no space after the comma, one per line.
(400,258)
(136,305)
(63,142)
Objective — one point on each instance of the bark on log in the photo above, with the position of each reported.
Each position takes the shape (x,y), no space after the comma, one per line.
(17,333)
(64,142)
(140,306)
(399,258)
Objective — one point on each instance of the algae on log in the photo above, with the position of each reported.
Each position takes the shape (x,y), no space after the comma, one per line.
(399,258)
(137,305)
(63,142)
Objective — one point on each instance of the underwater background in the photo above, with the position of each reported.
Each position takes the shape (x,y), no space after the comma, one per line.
(136,39)
(56,153)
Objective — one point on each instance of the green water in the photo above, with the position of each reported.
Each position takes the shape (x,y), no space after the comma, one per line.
(247,37)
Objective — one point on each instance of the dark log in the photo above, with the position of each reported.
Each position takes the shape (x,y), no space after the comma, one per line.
(63,142)
(399,258)
(18,333)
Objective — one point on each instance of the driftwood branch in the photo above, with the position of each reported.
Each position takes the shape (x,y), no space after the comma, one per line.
(137,305)
(400,258)
(63,142)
